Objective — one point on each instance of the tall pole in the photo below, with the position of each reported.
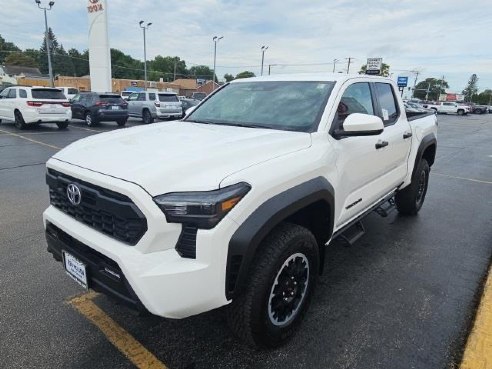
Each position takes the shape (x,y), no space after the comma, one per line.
(46,36)
(263,49)
(348,64)
(334,62)
(215,39)
(415,82)
(144,28)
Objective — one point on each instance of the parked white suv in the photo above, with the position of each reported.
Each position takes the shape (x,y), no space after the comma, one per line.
(34,105)
(152,105)
(235,204)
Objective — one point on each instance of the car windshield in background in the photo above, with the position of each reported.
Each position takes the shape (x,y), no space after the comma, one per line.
(46,93)
(168,98)
(293,106)
(73,91)
(113,99)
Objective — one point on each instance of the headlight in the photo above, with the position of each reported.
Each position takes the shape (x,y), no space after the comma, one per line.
(202,209)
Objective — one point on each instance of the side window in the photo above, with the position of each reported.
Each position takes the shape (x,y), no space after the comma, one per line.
(357,98)
(23,93)
(389,108)
(76,99)
(133,97)
(12,93)
(152,97)
(5,93)
(141,97)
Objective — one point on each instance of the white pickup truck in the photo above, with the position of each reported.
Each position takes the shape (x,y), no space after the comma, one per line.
(449,108)
(234,204)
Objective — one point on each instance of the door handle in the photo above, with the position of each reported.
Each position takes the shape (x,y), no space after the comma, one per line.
(381,144)
(407,135)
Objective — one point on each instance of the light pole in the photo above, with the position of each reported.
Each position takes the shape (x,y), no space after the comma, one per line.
(144,28)
(50,5)
(215,40)
(334,62)
(263,49)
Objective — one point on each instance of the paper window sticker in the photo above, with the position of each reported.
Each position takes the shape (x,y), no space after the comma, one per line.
(385,114)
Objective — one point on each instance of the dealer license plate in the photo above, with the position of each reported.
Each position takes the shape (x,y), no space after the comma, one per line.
(115,107)
(75,269)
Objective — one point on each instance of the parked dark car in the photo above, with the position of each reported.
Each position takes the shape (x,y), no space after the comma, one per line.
(94,107)
(480,109)
(188,103)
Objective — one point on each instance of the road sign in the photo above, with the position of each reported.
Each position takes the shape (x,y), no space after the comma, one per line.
(374,66)
(402,81)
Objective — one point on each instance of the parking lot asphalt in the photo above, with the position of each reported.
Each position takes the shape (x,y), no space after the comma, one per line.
(404,296)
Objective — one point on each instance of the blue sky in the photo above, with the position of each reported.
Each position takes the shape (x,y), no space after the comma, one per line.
(451,39)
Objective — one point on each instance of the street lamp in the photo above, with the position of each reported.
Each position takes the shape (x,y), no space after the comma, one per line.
(263,49)
(144,28)
(215,39)
(50,5)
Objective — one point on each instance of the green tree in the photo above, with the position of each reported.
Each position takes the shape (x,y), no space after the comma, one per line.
(124,66)
(384,69)
(471,88)
(6,48)
(80,62)
(202,72)
(484,97)
(43,60)
(20,58)
(245,74)
(166,67)
(228,77)
(62,62)
(33,54)
(430,89)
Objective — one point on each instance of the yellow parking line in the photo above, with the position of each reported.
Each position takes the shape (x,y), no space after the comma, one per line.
(478,350)
(31,140)
(121,339)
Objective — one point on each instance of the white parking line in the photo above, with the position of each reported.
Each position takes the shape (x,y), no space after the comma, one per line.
(466,179)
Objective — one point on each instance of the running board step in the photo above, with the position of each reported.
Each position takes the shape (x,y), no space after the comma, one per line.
(352,234)
(386,208)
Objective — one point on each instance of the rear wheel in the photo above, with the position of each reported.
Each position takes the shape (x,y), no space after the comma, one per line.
(121,122)
(89,120)
(62,125)
(278,292)
(411,198)
(461,112)
(147,117)
(19,120)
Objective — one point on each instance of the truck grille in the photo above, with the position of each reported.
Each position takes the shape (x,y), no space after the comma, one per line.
(107,211)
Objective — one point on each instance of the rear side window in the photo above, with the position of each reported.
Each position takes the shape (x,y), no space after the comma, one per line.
(112,99)
(47,93)
(12,93)
(151,97)
(389,108)
(141,97)
(23,94)
(73,91)
(168,98)
(357,98)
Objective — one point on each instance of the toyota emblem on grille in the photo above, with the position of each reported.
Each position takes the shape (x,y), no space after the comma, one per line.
(73,194)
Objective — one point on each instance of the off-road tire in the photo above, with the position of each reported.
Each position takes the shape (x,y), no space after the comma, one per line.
(147,117)
(248,315)
(62,125)
(19,120)
(411,198)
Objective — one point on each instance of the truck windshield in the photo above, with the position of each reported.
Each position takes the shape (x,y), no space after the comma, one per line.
(285,105)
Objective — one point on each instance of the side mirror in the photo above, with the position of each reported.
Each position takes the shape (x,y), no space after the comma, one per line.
(357,124)
(190,110)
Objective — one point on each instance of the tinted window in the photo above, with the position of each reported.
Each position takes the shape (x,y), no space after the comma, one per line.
(4,93)
(389,108)
(141,97)
(151,97)
(294,106)
(12,93)
(47,93)
(357,98)
(23,93)
(133,97)
(112,99)
(72,91)
(168,98)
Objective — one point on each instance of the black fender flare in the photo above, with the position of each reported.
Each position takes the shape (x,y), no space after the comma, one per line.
(247,238)
(426,142)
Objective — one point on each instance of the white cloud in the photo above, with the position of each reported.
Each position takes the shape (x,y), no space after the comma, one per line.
(451,38)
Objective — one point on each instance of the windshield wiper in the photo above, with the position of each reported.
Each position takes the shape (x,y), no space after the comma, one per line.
(202,121)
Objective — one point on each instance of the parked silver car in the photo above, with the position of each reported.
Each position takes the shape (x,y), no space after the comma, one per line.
(152,105)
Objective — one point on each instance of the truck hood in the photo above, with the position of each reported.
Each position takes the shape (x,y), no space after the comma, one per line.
(180,156)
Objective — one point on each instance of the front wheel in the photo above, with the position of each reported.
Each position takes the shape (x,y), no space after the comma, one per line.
(19,120)
(278,291)
(411,198)
(461,112)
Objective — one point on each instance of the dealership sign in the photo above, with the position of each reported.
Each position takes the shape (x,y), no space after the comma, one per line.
(94,6)
(402,81)
(374,66)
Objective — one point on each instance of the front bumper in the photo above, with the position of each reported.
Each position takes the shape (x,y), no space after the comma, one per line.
(154,276)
